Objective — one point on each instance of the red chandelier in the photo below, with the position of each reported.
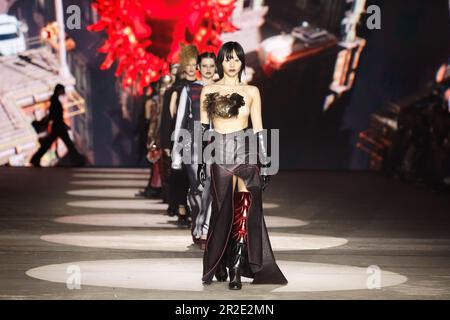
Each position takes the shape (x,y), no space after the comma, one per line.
(144,36)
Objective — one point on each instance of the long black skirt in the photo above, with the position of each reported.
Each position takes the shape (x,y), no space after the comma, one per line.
(260,262)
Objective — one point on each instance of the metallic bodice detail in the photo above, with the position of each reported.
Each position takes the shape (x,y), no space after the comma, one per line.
(223,106)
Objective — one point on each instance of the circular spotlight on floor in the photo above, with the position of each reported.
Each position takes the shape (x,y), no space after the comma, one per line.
(138,204)
(290,242)
(135,220)
(179,240)
(105,193)
(111,183)
(128,193)
(307,276)
(175,241)
(112,175)
(281,222)
(113,170)
(269,205)
(185,275)
(145,220)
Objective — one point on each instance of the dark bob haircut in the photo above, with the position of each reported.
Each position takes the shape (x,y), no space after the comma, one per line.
(226,52)
(206,55)
(59,90)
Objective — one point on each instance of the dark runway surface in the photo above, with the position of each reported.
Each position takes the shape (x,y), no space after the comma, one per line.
(81,234)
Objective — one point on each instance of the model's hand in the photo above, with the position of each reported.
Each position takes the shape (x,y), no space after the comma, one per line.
(264,176)
(265,183)
(201,173)
(265,161)
(167,152)
(201,170)
(176,165)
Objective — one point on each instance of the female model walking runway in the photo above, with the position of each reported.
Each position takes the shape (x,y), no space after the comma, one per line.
(187,115)
(237,235)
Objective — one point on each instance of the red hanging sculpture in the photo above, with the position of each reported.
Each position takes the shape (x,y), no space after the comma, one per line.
(144,36)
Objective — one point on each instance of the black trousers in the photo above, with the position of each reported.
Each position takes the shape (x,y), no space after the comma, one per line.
(178,188)
(59,130)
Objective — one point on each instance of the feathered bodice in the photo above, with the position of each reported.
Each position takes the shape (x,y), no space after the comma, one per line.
(223,106)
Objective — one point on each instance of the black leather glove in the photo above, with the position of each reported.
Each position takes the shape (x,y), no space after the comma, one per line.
(201,170)
(201,174)
(266,179)
(265,163)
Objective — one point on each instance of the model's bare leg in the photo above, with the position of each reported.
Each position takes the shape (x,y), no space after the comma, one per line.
(241,185)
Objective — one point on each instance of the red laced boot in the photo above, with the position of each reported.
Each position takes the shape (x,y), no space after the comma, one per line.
(239,237)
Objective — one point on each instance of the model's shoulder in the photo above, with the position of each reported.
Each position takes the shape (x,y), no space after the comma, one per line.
(251,89)
(209,88)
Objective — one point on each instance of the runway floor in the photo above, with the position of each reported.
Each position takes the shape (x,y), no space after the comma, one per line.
(82,234)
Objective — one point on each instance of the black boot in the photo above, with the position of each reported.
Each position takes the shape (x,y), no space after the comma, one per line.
(239,238)
(235,279)
(149,192)
(235,269)
(35,161)
(184,217)
(171,211)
